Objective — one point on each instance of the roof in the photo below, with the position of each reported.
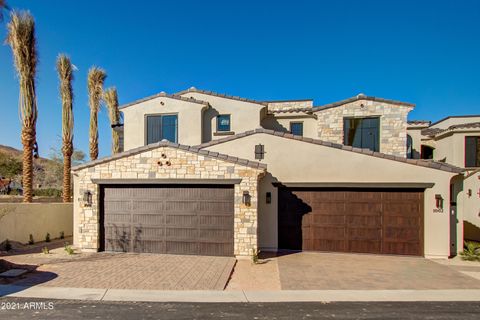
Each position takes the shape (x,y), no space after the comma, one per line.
(449,117)
(419,162)
(221,95)
(289,100)
(361,97)
(438,131)
(419,122)
(132,152)
(292,110)
(163,94)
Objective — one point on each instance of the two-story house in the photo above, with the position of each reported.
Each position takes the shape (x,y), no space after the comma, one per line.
(454,140)
(213,174)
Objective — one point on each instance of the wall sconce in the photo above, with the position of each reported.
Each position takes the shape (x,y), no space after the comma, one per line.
(438,201)
(87,198)
(269,197)
(469,193)
(246,198)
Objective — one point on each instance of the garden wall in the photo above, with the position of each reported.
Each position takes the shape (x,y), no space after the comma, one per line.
(19,220)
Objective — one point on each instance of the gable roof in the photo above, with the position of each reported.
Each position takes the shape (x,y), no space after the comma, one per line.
(221,95)
(438,131)
(211,154)
(162,94)
(361,97)
(449,117)
(418,162)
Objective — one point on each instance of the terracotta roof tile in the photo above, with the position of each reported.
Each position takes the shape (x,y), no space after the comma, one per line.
(162,94)
(221,95)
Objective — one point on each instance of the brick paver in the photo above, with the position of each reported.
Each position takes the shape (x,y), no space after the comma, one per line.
(134,271)
(337,271)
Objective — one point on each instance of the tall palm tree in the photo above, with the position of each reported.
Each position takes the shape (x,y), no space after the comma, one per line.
(111,99)
(96,78)
(65,75)
(21,38)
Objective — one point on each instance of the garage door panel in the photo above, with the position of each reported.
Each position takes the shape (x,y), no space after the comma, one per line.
(361,220)
(186,219)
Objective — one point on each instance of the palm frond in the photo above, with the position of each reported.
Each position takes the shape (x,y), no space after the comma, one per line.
(96,78)
(65,75)
(111,99)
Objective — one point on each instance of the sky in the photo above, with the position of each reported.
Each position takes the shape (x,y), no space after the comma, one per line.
(424,52)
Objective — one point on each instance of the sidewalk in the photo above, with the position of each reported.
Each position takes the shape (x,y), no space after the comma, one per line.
(238,296)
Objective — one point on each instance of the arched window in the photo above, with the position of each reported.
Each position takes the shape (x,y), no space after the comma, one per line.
(409,147)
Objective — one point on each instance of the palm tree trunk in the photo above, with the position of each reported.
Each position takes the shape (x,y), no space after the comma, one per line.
(67,166)
(93,135)
(28,138)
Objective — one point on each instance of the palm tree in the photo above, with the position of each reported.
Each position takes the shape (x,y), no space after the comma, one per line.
(21,38)
(3,6)
(96,77)
(65,74)
(111,99)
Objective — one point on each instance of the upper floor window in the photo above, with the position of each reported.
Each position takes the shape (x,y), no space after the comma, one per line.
(362,133)
(296,128)
(160,127)
(472,152)
(409,147)
(223,122)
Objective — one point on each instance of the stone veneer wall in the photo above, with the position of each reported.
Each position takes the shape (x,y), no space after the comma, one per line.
(393,123)
(288,105)
(184,165)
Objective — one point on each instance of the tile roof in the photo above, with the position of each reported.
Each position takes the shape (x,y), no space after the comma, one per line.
(465,126)
(221,95)
(162,94)
(216,155)
(360,97)
(418,122)
(305,110)
(419,162)
(437,131)
(449,117)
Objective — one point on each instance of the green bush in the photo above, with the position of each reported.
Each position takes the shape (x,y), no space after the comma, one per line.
(47,237)
(69,249)
(45,250)
(471,251)
(50,192)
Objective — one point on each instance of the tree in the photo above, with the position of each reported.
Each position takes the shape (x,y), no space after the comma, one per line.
(65,74)
(21,38)
(111,99)
(96,78)
(9,166)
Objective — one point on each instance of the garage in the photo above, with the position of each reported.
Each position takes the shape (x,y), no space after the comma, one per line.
(175,219)
(376,220)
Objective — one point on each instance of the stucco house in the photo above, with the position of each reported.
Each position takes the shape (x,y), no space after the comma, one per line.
(213,174)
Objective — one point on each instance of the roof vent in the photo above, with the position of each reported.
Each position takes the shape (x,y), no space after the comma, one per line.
(192,89)
(361,95)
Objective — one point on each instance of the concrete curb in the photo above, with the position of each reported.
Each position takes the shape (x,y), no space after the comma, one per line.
(238,296)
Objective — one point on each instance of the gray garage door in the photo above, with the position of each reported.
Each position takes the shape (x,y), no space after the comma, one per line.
(177,219)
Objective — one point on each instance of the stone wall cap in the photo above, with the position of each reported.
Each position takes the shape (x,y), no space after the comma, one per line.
(361,97)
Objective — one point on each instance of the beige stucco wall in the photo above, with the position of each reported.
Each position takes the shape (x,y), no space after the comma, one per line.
(451,146)
(456,120)
(19,220)
(469,206)
(189,120)
(296,161)
(393,123)
(416,134)
(244,115)
(281,123)
(184,165)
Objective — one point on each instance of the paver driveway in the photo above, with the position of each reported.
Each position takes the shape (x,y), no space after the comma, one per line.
(134,271)
(337,271)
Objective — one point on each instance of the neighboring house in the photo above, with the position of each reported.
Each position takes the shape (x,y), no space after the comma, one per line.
(207,173)
(454,140)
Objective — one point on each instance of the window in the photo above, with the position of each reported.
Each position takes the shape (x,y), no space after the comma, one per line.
(296,128)
(223,122)
(472,152)
(426,152)
(362,133)
(161,127)
(409,147)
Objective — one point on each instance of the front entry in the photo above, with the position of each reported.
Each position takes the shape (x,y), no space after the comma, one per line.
(382,221)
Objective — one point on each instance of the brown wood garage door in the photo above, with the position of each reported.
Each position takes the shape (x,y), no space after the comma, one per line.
(351,220)
(178,219)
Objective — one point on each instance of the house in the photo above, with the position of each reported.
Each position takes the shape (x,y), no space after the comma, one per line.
(213,174)
(454,140)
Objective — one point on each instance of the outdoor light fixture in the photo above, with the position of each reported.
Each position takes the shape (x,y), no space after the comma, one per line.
(269,197)
(87,198)
(469,193)
(246,198)
(439,201)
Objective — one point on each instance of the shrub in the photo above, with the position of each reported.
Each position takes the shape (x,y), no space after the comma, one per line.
(255,254)
(47,237)
(471,251)
(48,192)
(30,241)
(45,250)
(69,249)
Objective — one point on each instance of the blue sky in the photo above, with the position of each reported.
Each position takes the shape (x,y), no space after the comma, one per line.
(425,52)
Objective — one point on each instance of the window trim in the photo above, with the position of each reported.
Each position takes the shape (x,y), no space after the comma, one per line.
(379,117)
(465,152)
(297,122)
(145,124)
(229,123)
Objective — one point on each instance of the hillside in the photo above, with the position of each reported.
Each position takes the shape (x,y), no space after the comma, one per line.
(47,173)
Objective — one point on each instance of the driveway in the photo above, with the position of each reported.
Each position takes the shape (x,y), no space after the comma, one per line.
(127,271)
(337,271)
